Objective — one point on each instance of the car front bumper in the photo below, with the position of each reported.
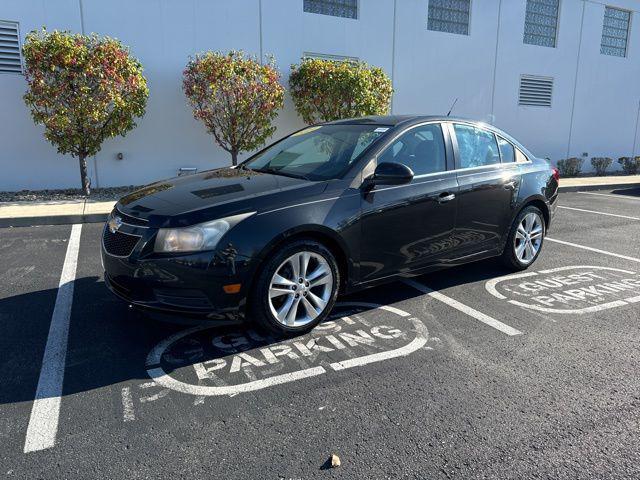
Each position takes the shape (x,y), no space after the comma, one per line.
(189,284)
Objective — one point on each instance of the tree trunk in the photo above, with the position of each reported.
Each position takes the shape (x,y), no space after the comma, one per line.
(234,157)
(83,175)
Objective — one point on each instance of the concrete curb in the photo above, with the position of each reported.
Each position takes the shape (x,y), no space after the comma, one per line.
(587,188)
(102,217)
(53,220)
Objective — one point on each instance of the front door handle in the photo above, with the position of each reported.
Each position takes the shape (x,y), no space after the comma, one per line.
(510,185)
(446,197)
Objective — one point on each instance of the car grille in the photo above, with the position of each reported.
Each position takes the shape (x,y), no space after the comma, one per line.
(119,244)
(128,219)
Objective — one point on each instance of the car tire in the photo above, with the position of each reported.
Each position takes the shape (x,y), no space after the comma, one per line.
(310,297)
(525,239)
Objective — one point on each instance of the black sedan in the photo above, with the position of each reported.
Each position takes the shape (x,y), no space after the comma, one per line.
(330,209)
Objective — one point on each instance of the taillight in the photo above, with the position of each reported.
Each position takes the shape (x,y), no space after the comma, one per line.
(556,173)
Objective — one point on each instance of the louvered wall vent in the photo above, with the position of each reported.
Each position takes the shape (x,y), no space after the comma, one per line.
(325,56)
(535,91)
(10,60)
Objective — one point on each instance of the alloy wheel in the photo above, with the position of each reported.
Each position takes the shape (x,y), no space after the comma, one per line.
(528,238)
(300,289)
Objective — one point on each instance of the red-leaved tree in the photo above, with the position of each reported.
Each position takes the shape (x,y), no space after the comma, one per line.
(236,97)
(83,89)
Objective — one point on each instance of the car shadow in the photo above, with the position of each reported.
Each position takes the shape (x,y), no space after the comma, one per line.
(629,192)
(109,342)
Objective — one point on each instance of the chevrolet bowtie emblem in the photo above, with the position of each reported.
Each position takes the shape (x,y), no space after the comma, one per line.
(114,224)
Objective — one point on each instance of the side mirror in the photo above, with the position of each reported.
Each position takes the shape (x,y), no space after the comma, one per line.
(388,173)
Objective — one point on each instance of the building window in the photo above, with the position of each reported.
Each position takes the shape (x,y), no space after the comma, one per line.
(541,22)
(449,16)
(615,32)
(535,91)
(10,56)
(335,8)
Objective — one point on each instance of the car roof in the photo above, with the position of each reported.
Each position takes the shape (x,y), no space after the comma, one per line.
(395,120)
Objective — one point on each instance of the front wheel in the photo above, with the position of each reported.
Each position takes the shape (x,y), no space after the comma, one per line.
(525,239)
(296,289)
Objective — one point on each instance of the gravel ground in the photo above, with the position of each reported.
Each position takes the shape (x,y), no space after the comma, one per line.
(97,194)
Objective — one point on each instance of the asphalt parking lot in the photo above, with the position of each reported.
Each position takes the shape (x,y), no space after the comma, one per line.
(467,373)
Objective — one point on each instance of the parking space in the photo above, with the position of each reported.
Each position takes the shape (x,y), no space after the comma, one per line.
(611,218)
(473,372)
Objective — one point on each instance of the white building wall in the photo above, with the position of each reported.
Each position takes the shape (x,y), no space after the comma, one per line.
(545,130)
(432,69)
(607,91)
(595,99)
(288,33)
(27,160)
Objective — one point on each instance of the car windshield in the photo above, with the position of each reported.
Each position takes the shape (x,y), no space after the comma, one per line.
(317,153)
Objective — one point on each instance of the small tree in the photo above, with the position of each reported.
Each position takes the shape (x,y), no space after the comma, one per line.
(236,98)
(83,89)
(325,90)
(570,167)
(630,165)
(600,164)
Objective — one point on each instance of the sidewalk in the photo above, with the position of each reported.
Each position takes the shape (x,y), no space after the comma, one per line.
(598,183)
(20,214)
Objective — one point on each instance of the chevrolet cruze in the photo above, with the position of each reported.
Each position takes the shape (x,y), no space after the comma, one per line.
(329,209)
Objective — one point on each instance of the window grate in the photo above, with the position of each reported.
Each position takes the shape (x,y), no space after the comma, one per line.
(541,22)
(615,32)
(450,16)
(326,56)
(334,8)
(535,91)
(10,56)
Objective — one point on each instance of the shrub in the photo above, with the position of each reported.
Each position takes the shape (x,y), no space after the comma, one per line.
(630,165)
(83,89)
(236,98)
(325,90)
(570,167)
(601,164)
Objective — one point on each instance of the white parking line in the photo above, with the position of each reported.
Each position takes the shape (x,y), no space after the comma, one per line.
(591,249)
(486,319)
(624,197)
(127,405)
(43,424)
(599,213)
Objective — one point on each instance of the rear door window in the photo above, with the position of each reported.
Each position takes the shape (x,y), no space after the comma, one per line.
(476,147)
(507,152)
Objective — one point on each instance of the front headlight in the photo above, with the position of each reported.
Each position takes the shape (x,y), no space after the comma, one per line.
(204,236)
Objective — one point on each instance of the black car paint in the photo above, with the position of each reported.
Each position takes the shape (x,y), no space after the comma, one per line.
(376,231)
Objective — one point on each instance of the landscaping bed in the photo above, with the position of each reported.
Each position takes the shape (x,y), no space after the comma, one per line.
(69,194)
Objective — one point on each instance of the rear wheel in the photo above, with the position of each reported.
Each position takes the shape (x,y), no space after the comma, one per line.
(296,289)
(525,239)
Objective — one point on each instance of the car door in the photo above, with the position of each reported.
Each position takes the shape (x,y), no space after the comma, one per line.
(409,226)
(487,188)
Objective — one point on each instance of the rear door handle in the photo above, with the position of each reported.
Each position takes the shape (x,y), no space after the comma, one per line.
(446,197)
(510,185)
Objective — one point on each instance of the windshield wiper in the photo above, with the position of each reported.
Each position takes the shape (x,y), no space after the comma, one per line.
(276,171)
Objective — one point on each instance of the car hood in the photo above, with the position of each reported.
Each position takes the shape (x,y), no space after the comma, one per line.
(211,194)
